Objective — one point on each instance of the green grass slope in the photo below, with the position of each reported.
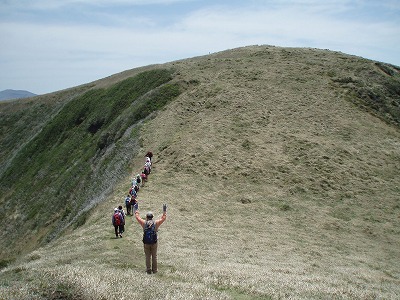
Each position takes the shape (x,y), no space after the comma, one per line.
(280,167)
(76,157)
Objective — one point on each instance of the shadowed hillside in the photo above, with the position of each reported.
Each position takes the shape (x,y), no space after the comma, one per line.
(280,167)
(74,157)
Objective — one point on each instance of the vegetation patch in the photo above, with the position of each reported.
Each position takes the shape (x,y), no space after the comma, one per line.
(4,263)
(69,161)
(379,92)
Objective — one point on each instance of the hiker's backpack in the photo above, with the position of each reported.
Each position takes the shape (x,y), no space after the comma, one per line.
(149,233)
(117,218)
(133,201)
(146,171)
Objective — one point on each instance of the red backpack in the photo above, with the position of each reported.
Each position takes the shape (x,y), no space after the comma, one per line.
(117,219)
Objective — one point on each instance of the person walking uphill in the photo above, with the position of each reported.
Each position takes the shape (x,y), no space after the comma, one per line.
(118,223)
(150,228)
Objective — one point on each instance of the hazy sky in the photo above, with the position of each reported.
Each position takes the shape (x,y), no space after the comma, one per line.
(49,45)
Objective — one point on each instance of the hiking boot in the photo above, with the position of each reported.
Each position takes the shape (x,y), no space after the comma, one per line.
(155,272)
(148,271)
(120,235)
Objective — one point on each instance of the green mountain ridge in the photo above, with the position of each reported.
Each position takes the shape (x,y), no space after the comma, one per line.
(67,161)
(280,167)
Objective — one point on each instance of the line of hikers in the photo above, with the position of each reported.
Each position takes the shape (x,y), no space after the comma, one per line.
(119,216)
(150,227)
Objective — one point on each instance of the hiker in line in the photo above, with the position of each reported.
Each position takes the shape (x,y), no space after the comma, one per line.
(147,169)
(121,210)
(133,200)
(135,185)
(149,155)
(148,160)
(132,191)
(144,177)
(150,228)
(117,221)
(136,188)
(147,164)
(128,204)
(138,179)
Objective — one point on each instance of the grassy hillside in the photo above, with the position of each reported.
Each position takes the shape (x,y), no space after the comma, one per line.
(280,167)
(75,157)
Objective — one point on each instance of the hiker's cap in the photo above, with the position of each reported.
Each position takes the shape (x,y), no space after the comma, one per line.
(149,215)
(115,209)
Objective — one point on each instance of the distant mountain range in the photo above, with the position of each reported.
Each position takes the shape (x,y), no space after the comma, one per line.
(15,94)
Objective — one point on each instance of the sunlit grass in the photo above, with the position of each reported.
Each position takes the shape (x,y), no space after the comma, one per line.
(277,188)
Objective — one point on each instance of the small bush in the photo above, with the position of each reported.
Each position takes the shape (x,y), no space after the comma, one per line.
(4,263)
(246,144)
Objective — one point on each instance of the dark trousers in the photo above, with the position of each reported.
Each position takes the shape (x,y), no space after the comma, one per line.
(119,229)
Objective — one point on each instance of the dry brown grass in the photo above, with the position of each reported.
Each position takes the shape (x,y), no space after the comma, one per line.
(278,188)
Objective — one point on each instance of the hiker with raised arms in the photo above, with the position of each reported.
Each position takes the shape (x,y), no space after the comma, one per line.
(150,228)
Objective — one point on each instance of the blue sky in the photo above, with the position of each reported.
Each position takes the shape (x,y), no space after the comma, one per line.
(49,45)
